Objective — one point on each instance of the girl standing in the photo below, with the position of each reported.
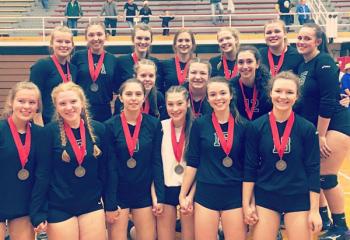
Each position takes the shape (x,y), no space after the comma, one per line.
(175,70)
(97,72)
(134,166)
(215,158)
(225,64)
(48,72)
(282,176)
(69,184)
(175,139)
(19,148)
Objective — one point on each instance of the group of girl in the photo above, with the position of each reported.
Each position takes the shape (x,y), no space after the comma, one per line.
(235,141)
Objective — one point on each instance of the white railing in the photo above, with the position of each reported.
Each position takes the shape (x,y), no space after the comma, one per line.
(42,25)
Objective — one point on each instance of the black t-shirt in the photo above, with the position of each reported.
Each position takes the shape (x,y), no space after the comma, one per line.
(169,74)
(46,76)
(319,88)
(57,184)
(106,81)
(202,107)
(15,193)
(149,167)
(302,155)
(291,62)
(284,5)
(205,153)
(217,67)
(131,10)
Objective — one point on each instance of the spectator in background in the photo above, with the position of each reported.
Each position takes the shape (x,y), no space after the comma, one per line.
(283,8)
(303,12)
(145,11)
(345,82)
(130,11)
(73,12)
(216,5)
(166,18)
(110,9)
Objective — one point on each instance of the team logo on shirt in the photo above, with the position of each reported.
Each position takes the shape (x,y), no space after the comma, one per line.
(216,139)
(103,69)
(302,77)
(286,150)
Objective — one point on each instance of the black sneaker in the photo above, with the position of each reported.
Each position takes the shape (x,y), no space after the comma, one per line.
(326,225)
(221,235)
(334,233)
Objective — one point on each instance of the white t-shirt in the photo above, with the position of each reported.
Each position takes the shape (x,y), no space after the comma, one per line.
(171,179)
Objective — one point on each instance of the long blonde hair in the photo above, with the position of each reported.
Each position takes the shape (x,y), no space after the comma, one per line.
(7,112)
(85,115)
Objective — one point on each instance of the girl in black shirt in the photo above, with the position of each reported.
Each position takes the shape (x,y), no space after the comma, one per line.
(20,152)
(215,159)
(154,104)
(175,69)
(250,84)
(279,56)
(48,72)
(70,179)
(320,105)
(282,176)
(135,165)
(225,64)
(198,76)
(96,72)
(141,38)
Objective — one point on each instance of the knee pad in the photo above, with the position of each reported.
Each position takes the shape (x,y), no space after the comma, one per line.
(328,181)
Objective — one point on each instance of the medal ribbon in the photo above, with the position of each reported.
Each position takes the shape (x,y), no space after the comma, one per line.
(131,141)
(281,146)
(225,145)
(78,151)
(95,72)
(274,70)
(226,71)
(181,76)
(60,70)
(196,114)
(145,109)
(178,147)
(23,150)
(249,111)
(135,58)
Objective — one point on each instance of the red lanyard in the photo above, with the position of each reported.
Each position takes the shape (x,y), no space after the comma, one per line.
(60,70)
(226,70)
(249,111)
(181,75)
(78,151)
(226,145)
(95,72)
(178,146)
(131,140)
(274,70)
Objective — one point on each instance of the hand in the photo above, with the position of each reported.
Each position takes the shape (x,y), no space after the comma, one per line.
(41,227)
(250,214)
(315,221)
(157,209)
(345,100)
(325,151)
(186,205)
(112,216)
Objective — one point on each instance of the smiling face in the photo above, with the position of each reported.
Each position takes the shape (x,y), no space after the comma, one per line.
(177,105)
(25,105)
(307,41)
(132,96)
(247,65)
(275,35)
(62,44)
(183,43)
(147,75)
(219,96)
(95,37)
(198,76)
(227,42)
(142,41)
(283,94)
(69,106)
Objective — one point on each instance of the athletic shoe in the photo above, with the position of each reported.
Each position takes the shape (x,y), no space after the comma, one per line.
(326,225)
(221,235)
(334,233)
(279,235)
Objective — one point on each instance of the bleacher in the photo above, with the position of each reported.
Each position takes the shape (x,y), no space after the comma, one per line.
(343,7)
(245,17)
(9,10)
